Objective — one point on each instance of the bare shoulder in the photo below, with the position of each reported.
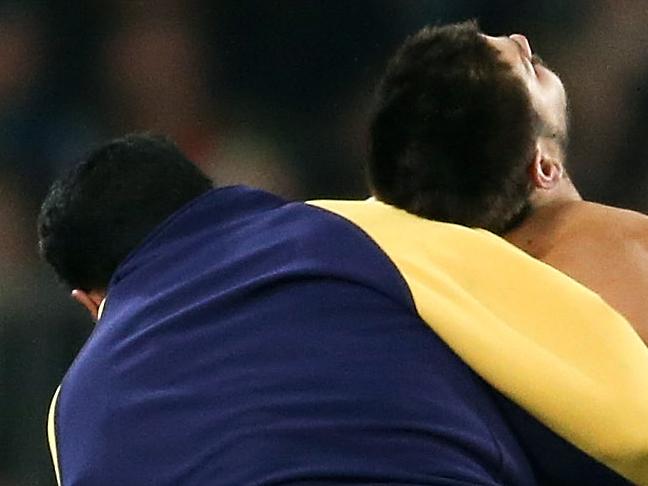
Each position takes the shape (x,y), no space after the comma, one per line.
(576,229)
(612,211)
(603,247)
(606,249)
(611,222)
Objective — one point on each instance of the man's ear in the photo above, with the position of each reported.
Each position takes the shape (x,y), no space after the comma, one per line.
(90,300)
(545,172)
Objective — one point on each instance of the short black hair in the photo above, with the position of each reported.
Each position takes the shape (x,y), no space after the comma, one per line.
(453,131)
(94,216)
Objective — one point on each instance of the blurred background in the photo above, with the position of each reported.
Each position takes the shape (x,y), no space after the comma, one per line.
(269,93)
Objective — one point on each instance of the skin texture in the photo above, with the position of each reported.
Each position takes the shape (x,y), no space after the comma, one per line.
(602,247)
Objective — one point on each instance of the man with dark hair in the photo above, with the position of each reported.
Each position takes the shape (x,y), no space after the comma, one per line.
(237,345)
(243,339)
(90,221)
(455,131)
(472,129)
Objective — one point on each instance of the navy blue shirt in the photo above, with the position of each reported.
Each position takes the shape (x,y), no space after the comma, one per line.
(250,341)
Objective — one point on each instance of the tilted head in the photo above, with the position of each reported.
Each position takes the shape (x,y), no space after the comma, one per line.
(461,121)
(94,216)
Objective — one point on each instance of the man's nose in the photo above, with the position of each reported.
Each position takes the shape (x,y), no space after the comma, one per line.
(524,42)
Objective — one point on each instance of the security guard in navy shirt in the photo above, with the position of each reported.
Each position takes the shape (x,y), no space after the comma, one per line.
(242,339)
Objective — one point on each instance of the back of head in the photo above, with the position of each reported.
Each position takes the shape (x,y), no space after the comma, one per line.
(93,217)
(453,131)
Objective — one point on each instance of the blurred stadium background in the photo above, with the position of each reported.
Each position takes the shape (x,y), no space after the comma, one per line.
(271,93)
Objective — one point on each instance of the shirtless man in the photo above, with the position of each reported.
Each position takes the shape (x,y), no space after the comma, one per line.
(456,137)
(603,247)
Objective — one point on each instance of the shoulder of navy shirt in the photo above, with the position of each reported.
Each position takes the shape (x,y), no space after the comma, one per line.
(249,340)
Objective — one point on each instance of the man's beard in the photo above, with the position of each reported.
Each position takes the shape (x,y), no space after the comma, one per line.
(520,216)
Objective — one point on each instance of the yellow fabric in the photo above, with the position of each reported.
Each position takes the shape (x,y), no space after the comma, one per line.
(548,343)
(51,435)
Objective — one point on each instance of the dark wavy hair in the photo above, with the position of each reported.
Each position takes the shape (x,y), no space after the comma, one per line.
(94,216)
(453,131)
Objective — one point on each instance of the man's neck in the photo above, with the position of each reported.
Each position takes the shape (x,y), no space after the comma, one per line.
(535,234)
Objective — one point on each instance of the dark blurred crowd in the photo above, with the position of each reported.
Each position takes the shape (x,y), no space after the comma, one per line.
(274,94)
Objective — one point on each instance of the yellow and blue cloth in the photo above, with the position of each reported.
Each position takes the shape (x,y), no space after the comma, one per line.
(549,344)
(249,340)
